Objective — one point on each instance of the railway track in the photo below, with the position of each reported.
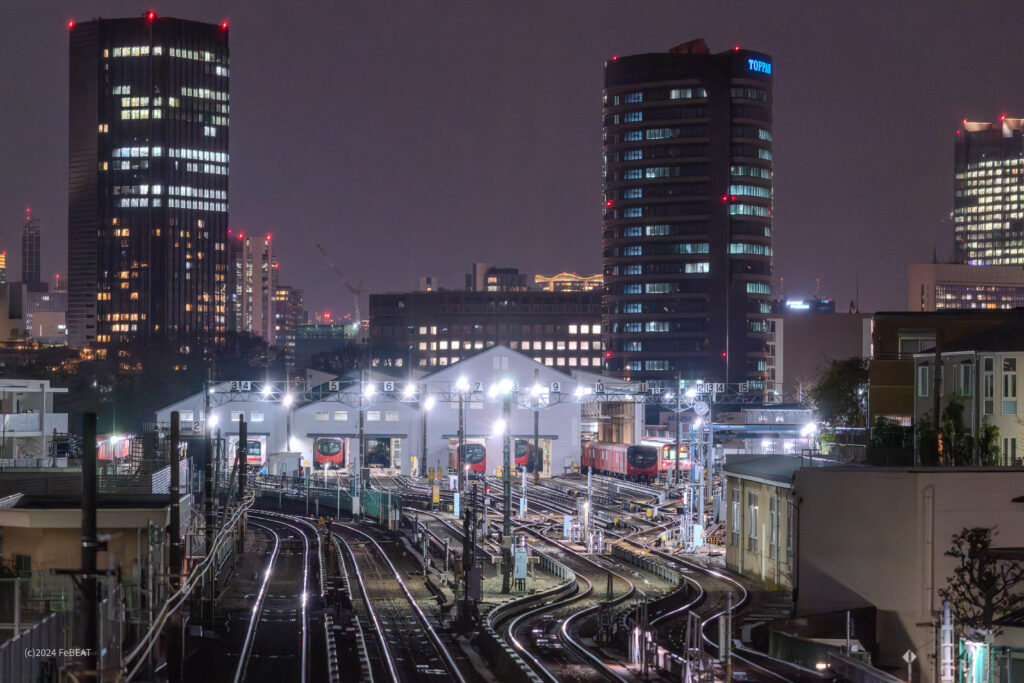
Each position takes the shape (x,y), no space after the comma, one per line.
(277,640)
(400,641)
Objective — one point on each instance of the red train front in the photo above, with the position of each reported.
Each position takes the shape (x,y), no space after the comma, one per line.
(473,455)
(527,456)
(626,461)
(329,451)
(669,463)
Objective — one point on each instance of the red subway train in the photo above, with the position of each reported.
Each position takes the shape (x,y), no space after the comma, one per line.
(527,456)
(666,446)
(475,456)
(329,451)
(623,460)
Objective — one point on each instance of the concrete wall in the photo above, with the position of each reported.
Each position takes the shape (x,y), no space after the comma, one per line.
(759,564)
(878,536)
(52,537)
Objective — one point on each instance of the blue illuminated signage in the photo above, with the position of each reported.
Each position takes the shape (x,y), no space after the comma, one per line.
(759,66)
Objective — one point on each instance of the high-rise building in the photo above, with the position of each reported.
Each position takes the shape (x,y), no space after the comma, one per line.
(289,314)
(988,204)
(30,268)
(148,180)
(3,267)
(688,215)
(252,285)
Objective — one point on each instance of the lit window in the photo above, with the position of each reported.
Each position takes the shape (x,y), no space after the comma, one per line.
(340,415)
(256,416)
(322,416)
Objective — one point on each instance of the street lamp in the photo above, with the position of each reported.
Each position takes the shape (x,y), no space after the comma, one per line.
(505,387)
(428,405)
(461,386)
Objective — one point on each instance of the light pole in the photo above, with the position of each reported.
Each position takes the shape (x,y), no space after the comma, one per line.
(461,385)
(428,405)
(505,388)
(366,391)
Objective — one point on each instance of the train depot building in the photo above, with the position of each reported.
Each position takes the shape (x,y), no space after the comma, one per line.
(409,421)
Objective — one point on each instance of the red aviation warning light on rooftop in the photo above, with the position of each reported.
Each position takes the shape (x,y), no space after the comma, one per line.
(224,25)
(150,15)
(71,24)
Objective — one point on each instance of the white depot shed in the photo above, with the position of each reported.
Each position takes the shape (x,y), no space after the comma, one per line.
(482,378)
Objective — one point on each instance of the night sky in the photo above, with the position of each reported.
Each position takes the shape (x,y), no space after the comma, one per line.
(416,137)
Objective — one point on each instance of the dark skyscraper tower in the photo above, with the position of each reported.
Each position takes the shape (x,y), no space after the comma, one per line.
(30,269)
(988,204)
(688,215)
(148,180)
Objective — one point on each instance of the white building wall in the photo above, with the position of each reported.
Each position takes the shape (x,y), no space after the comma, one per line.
(338,414)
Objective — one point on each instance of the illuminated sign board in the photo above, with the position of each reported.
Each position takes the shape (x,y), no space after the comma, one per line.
(759,66)
(798,305)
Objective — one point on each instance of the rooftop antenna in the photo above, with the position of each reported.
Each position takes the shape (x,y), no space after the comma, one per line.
(817,288)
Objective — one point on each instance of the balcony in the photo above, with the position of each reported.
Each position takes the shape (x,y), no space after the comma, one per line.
(27,424)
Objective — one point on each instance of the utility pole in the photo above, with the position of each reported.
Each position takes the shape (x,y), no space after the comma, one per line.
(90,544)
(424,409)
(506,480)
(241,458)
(174,643)
(679,424)
(538,457)
(208,504)
(462,437)
(356,467)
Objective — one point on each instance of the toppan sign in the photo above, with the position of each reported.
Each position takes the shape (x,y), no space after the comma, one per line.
(759,66)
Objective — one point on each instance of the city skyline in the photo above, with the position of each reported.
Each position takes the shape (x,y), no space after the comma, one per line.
(854,119)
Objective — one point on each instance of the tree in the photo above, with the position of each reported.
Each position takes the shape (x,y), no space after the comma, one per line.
(838,394)
(981,588)
(953,444)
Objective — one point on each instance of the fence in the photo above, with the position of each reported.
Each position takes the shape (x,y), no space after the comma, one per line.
(27,658)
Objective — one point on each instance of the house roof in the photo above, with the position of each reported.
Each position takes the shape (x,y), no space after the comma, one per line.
(776,468)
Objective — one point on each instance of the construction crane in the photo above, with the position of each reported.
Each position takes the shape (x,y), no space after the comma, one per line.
(356,291)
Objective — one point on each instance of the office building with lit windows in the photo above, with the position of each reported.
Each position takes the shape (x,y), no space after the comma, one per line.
(148,180)
(988,205)
(432,329)
(947,286)
(252,284)
(289,314)
(688,215)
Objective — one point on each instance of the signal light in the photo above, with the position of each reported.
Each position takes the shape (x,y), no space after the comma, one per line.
(725,197)
(724,354)
(224,25)
(150,15)
(615,58)
(609,203)
(737,48)
(607,354)
(71,24)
